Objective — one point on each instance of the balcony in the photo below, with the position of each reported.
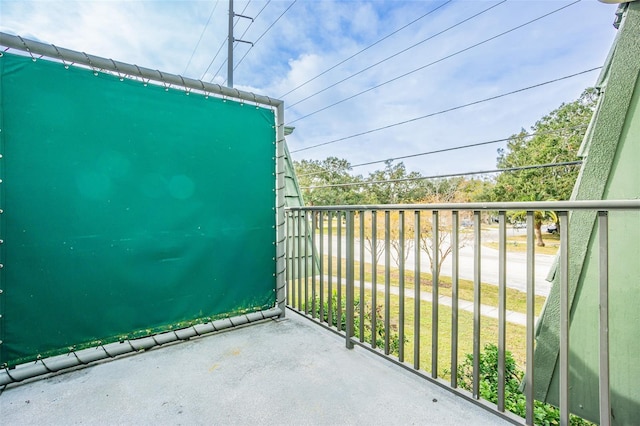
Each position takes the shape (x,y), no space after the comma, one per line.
(274,372)
(307,369)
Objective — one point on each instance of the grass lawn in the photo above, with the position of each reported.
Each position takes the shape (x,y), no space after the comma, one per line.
(516,300)
(518,243)
(488,330)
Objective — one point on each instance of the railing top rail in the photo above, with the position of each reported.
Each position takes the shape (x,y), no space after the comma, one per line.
(596,205)
(60,53)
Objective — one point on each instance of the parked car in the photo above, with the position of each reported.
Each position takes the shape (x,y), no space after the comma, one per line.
(519,225)
(552,228)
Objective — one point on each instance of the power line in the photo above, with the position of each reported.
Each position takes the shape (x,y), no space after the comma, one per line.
(218,51)
(449,109)
(201,34)
(473,145)
(435,62)
(366,48)
(482,172)
(253,20)
(214,58)
(265,32)
(396,54)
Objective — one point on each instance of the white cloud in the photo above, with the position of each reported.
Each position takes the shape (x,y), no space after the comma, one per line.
(313,36)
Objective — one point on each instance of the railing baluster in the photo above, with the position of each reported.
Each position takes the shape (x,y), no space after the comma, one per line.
(476,304)
(289,255)
(349,279)
(294,257)
(374,277)
(330,269)
(314,254)
(605,403)
(387,279)
(401,286)
(339,277)
(531,276)
(362,295)
(300,272)
(416,292)
(564,318)
(435,278)
(455,252)
(502,302)
(321,263)
(305,243)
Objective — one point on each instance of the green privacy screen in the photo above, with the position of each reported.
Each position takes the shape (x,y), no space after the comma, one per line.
(127,208)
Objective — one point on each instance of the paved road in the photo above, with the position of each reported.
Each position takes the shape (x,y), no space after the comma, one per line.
(516,264)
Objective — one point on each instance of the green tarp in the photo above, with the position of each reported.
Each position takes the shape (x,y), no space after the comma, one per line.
(127,208)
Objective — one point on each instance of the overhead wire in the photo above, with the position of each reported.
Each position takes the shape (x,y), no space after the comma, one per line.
(455,148)
(201,34)
(435,62)
(450,175)
(365,49)
(264,33)
(396,54)
(226,39)
(449,109)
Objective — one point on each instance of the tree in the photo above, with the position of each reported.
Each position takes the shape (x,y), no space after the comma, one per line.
(314,176)
(395,185)
(557,138)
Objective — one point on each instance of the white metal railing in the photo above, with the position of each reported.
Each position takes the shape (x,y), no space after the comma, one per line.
(327,247)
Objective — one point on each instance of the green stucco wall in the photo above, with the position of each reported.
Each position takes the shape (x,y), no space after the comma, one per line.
(610,171)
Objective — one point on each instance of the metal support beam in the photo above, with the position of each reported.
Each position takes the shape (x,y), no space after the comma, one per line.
(100,63)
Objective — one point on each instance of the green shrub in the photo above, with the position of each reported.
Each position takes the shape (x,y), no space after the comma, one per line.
(515,401)
(394,339)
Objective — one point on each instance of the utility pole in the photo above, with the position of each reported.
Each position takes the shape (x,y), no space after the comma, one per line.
(231,40)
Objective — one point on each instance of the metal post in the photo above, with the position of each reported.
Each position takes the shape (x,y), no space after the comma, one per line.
(435,250)
(321,261)
(361,304)
(564,318)
(416,293)
(374,277)
(281,258)
(605,403)
(401,300)
(350,279)
(502,302)
(330,268)
(477,258)
(531,276)
(387,280)
(314,254)
(339,275)
(455,244)
(230,47)
(288,256)
(300,271)
(305,244)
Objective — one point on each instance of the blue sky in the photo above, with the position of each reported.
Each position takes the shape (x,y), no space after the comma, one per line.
(313,36)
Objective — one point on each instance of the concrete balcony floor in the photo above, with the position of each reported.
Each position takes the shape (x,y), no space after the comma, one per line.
(276,372)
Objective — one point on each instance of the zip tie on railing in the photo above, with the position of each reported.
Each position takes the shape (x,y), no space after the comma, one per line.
(94,69)
(164,83)
(186,89)
(43,364)
(115,67)
(66,66)
(27,49)
(105,351)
